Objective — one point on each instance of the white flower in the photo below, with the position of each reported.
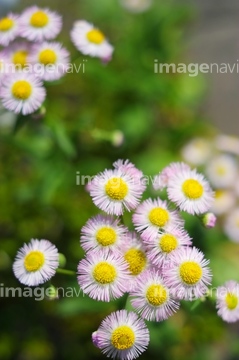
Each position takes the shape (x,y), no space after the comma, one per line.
(231,225)
(222,170)
(36,262)
(8,29)
(197,151)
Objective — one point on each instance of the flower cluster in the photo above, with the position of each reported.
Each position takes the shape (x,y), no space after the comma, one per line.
(219,160)
(156,265)
(31,55)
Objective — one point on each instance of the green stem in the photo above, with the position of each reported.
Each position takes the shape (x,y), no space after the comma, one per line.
(66,272)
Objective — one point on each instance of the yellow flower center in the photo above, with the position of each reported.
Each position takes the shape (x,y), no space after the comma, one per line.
(6,24)
(219,194)
(156,295)
(231,301)
(192,189)
(106,236)
(221,170)
(159,216)
(95,36)
(123,337)
(47,57)
(136,260)
(116,188)
(190,272)
(20,58)
(168,243)
(39,19)
(104,273)
(22,90)
(34,261)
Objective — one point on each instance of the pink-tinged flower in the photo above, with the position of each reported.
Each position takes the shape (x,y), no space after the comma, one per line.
(152,298)
(128,168)
(102,232)
(17,56)
(161,247)
(151,216)
(190,192)
(187,274)
(114,190)
(36,262)
(122,335)
(103,275)
(160,181)
(135,256)
(231,225)
(52,60)
(39,24)
(209,220)
(9,27)
(91,41)
(22,93)
(228,301)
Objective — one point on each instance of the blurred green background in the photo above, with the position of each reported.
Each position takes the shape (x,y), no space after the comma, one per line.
(41,155)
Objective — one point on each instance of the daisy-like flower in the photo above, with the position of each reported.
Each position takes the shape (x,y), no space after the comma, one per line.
(128,168)
(227,143)
(122,335)
(91,41)
(222,171)
(160,181)
(113,190)
(152,298)
(17,54)
(52,58)
(102,232)
(197,151)
(161,247)
(190,192)
(135,256)
(36,262)
(103,275)
(8,29)
(151,216)
(39,24)
(136,6)
(187,274)
(228,301)
(22,93)
(224,200)
(231,225)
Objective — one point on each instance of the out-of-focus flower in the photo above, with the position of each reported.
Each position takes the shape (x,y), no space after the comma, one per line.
(39,24)
(224,200)
(231,225)
(52,58)
(197,151)
(190,192)
(136,6)
(227,143)
(152,215)
(222,170)
(103,275)
(22,93)
(36,262)
(151,298)
(9,29)
(102,232)
(17,55)
(91,41)
(188,275)
(228,301)
(122,335)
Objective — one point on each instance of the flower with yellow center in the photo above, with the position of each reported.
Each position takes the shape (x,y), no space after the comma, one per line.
(187,274)
(153,216)
(114,190)
(103,275)
(8,29)
(95,36)
(20,58)
(168,243)
(39,19)
(190,192)
(36,262)
(222,171)
(228,301)
(136,260)
(47,57)
(122,335)
(22,90)
(6,24)
(102,232)
(151,297)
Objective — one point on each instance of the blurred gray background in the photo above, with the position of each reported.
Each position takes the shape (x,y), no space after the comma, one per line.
(215,39)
